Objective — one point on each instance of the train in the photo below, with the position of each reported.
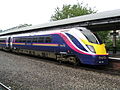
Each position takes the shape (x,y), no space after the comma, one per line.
(74,45)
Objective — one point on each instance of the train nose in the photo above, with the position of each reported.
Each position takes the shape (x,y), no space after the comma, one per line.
(100,49)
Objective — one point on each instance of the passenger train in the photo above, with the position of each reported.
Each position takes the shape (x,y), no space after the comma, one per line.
(72,45)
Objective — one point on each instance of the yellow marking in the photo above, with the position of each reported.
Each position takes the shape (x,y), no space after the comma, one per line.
(99,48)
(37,44)
(19,43)
(2,43)
(46,44)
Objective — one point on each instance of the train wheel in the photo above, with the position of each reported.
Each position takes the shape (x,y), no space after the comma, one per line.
(73,60)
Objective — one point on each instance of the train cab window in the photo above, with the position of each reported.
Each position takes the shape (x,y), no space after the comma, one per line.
(41,40)
(90,36)
(98,37)
(48,39)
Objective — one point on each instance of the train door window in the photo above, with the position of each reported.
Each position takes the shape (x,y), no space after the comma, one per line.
(48,39)
(41,40)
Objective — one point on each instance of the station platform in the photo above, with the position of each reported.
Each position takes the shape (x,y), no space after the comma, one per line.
(114,56)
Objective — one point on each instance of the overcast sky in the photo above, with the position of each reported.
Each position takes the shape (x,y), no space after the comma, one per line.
(15,12)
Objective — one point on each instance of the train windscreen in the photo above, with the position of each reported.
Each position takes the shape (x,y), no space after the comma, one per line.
(93,38)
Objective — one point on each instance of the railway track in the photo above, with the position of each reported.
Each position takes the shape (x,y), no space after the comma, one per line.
(112,68)
(30,73)
(114,63)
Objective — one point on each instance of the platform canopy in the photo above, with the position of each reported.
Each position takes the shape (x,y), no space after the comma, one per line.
(108,20)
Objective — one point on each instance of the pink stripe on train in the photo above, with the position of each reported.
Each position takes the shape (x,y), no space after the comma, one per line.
(71,45)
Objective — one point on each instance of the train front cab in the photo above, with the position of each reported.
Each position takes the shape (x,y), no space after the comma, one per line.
(99,58)
(98,55)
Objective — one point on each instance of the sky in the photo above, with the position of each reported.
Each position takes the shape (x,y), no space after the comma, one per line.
(16,12)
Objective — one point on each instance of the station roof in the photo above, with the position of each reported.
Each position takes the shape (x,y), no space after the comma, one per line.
(98,21)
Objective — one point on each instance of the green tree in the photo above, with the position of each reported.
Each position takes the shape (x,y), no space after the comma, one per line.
(68,11)
(104,35)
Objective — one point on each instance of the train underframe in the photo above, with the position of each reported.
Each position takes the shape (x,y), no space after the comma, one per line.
(60,57)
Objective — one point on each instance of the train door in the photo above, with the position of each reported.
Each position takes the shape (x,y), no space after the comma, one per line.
(9,42)
(62,46)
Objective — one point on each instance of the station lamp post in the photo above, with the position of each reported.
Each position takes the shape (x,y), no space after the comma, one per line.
(114,40)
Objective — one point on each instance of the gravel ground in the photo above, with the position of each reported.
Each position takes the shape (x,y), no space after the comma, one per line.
(29,73)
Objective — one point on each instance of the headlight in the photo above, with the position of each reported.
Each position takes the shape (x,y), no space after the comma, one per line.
(91,48)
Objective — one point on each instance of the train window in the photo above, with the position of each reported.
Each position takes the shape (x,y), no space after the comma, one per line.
(29,40)
(98,37)
(41,40)
(90,36)
(48,39)
(17,40)
(23,40)
(34,40)
(2,40)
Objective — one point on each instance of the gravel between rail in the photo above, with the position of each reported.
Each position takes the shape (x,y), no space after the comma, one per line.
(27,73)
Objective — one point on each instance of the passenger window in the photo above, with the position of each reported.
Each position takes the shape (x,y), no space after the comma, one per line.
(19,40)
(34,40)
(48,40)
(41,40)
(29,40)
(1,41)
(16,40)
(23,40)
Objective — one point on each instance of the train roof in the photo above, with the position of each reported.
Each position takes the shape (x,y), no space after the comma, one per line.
(84,18)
